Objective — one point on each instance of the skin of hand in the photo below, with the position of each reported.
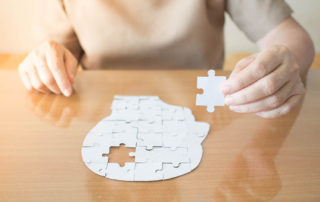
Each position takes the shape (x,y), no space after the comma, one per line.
(271,82)
(50,67)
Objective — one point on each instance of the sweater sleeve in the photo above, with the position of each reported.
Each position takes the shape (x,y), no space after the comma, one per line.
(52,23)
(257,17)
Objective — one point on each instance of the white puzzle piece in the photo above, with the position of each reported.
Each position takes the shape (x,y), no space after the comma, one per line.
(149,140)
(98,168)
(212,95)
(148,171)
(95,154)
(115,171)
(166,137)
(169,171)
(161,155)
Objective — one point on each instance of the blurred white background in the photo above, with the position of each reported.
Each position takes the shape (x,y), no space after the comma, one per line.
(16,17)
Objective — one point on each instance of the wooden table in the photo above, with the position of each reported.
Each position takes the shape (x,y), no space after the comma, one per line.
(246,158)
(11,61)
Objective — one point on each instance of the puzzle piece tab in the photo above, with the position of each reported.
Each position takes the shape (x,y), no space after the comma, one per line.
(161,155)
(149,140)
(115,171)
(148,171)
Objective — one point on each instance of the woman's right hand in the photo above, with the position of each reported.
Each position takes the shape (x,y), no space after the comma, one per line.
(49,68)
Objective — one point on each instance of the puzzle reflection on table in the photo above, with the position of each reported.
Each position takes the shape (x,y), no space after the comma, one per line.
(166,137)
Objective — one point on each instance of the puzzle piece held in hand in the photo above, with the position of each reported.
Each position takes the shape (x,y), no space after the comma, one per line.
(212,95)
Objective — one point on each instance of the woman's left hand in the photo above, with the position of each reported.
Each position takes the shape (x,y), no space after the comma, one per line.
(268,84)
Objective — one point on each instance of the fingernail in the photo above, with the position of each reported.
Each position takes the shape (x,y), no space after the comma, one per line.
(225,89)
(67,92)
(228,100)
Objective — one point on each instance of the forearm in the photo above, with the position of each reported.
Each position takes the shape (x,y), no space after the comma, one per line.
(294,37)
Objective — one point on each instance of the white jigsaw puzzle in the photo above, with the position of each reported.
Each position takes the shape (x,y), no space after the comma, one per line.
(212,95)
(166,137)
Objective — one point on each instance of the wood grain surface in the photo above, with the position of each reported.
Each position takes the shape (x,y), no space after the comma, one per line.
(11,61)
(246,158)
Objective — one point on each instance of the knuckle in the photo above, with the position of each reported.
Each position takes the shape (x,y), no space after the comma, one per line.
(272,52)
(270,86)
(295,68)
(49,80)
(38,86)
(243,98)
(279,51)
(283,49)
(276,49)
(241,63)
(260,70)
(240,83)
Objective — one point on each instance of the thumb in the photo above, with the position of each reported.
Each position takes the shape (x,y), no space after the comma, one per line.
(71,65)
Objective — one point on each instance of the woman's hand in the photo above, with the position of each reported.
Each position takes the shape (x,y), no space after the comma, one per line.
(268,84)
(49,68)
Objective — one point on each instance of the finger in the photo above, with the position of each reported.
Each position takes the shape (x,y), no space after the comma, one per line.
(283,109)
(265,63)
(56,65)
(268,103)
(25,78)
(45,74)
(35,80)
(263,87)
(243,63)
(71,64)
